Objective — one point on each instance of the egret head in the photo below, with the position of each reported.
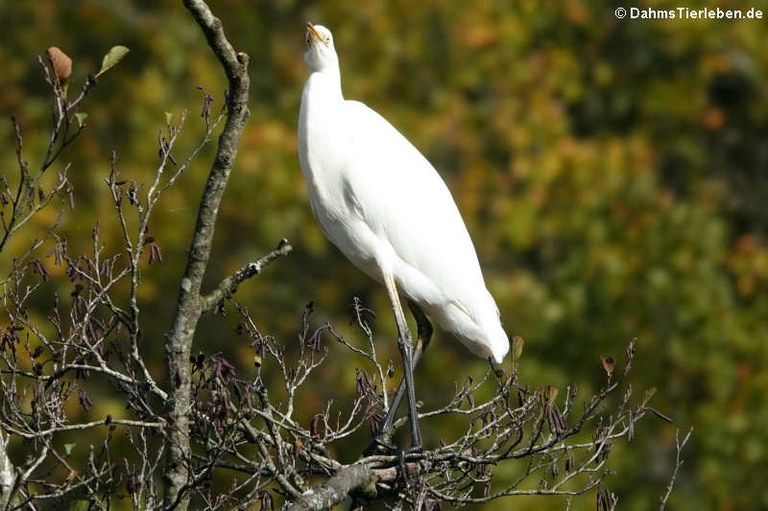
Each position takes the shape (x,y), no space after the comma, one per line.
(320,51)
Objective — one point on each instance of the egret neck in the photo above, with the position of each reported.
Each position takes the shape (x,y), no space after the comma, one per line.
(320,105)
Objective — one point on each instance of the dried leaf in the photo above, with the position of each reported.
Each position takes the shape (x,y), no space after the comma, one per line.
(297,446)
(85,401)
(266,501)
(609,364)
(660,415)
(155,253)
(61,64)
(569,462)
(40,268)
(605,499)
(555,419)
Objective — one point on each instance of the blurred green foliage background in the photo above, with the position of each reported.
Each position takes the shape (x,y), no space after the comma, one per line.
(613,175)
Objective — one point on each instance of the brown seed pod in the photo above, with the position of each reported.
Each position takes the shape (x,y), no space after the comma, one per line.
(61,63)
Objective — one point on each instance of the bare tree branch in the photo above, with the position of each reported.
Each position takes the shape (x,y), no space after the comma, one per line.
(87,425)
(338,488)
(7,472)
(190,304)
(229,285)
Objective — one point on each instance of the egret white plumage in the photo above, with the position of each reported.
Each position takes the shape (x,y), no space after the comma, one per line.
(387,209)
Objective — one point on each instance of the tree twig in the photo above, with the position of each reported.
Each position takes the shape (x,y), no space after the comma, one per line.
(679,445)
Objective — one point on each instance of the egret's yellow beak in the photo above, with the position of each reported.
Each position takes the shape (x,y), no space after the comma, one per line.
(313,33)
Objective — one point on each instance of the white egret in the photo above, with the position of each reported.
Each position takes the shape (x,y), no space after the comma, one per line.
(387,209)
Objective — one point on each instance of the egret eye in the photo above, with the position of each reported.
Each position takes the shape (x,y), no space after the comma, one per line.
(309,41)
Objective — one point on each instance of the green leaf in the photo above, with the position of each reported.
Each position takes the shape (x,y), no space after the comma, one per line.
(112,57)
(81,117)
(68,448)
(169,117)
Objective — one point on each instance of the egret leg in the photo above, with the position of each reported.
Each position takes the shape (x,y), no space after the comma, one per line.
(405,345)
(383,439)
(423,337)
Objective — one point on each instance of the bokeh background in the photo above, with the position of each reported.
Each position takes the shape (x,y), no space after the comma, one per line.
(613,175)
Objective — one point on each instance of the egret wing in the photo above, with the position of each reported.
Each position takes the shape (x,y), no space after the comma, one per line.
(403,200)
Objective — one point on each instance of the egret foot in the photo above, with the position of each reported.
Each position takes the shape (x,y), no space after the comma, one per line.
(381,444)
(408,469)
